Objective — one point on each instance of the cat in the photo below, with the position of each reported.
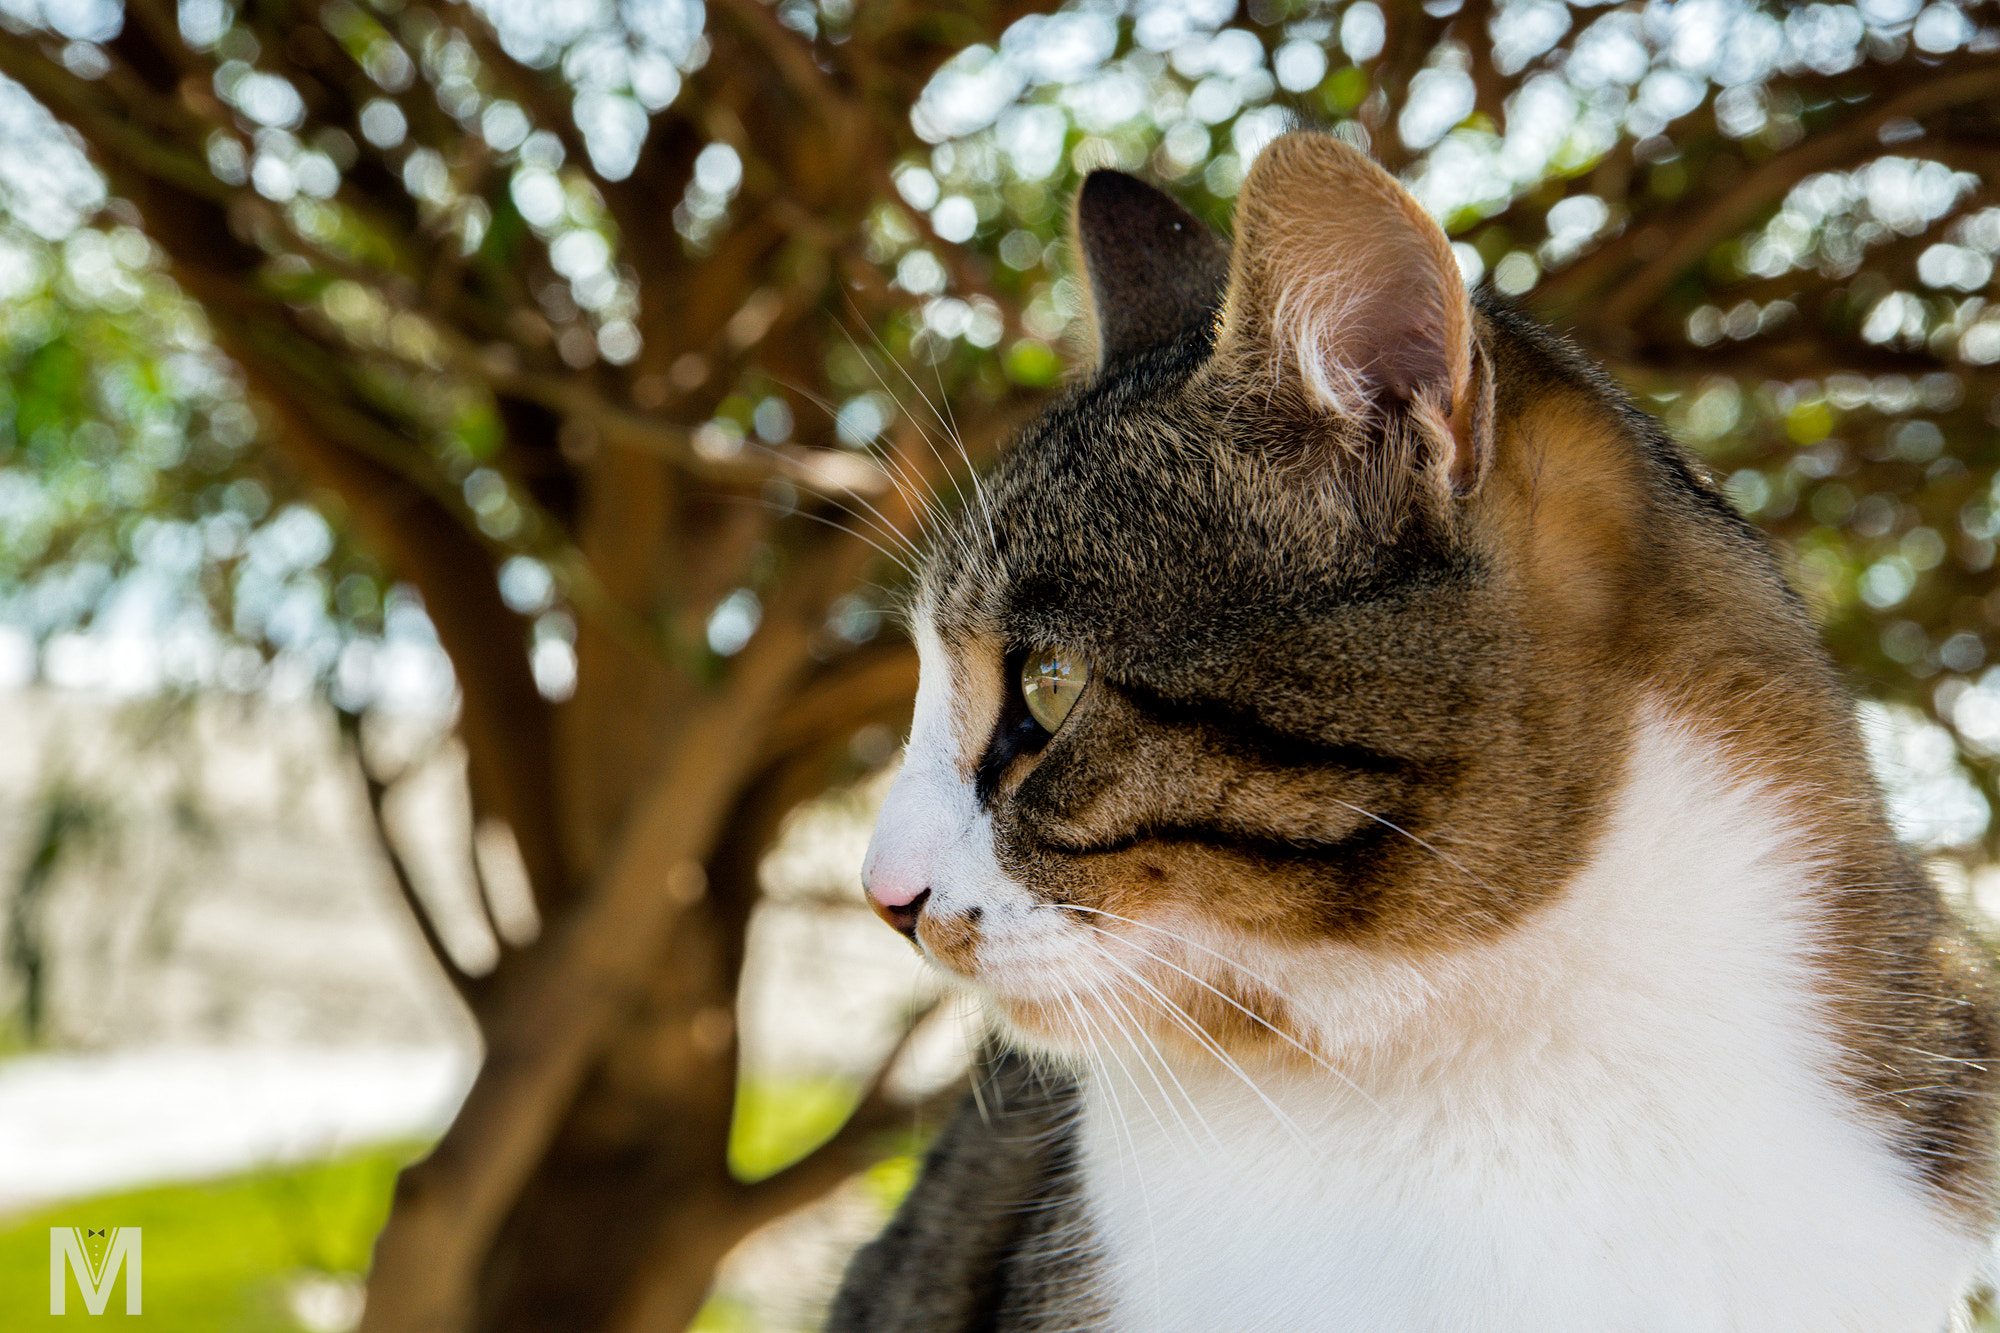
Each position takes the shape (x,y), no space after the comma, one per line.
(1421,864)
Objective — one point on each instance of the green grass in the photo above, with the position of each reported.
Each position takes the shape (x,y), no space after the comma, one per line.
(779,1120)
(220,1256)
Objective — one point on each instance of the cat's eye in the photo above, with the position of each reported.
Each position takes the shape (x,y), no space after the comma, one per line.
(1051,681)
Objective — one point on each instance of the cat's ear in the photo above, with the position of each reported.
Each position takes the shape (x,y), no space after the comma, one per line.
(1155,271)
(1343,287)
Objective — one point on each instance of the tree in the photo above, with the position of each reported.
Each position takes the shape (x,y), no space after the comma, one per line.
(582,325)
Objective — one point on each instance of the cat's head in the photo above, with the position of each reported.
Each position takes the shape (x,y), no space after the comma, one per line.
(1282,633)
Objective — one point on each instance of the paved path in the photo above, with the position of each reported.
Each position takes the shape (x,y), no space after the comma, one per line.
(75,1125)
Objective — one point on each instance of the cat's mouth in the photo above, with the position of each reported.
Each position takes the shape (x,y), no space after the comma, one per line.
(1032,952)
(1069,983)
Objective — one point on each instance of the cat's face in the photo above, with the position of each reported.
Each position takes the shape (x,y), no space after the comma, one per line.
(1219,667)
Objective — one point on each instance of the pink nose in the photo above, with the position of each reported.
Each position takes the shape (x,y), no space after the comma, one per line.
(896,900)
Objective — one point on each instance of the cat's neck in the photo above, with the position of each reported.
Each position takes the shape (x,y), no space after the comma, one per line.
(1632,1096)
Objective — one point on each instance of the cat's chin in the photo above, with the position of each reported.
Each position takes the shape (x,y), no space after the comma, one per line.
(1047,1029)
(1073,1032)
(1085,1019)
(1084,1034)
(1049,1004)
(1064,993)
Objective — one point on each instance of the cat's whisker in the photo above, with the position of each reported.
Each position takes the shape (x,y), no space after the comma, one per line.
(936,516)
(1094,1040)
(1430,847)
(926,507)
(976,1068)
(1138,1030)
(957,439)
(911,417)
(944,466)
(950,428)
(936,414)
(1167,1008)
(931,515)
(867,514)
(1138,1173)
(1090,1039)
(1186,1022)
(1178,938)
(1253,1016)
(1288,1038)
(901,562)
(1111,1049)
(882,521)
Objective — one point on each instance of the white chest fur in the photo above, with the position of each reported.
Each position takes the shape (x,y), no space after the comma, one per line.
(1621,1116)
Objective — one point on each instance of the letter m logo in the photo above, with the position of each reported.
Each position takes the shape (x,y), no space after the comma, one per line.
(94,1278)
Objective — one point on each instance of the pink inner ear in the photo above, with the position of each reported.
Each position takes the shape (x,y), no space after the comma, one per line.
(1405,356)
(1353,285)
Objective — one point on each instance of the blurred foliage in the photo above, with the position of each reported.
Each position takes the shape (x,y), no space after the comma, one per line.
(67,822)
(144,544)
(779,1120)
(1824,330)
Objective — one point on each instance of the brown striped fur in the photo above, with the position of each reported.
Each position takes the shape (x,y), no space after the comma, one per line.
(1372,678)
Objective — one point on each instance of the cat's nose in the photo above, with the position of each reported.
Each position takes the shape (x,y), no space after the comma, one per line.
(904,853)
(895,901)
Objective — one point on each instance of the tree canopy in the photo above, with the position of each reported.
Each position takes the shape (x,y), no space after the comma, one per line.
(611,352)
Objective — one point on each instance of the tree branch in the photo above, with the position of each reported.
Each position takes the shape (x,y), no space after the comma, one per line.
(1705,223)
(854,1145)
(863,685)
(118,131)
(788,54)
(1666,241)
(472,989)
(550,1021)
(1473,27)
(1409,35)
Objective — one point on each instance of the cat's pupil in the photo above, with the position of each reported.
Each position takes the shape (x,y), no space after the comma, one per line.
(1050,684)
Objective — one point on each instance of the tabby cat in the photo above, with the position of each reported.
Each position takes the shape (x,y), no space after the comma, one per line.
(1421,863)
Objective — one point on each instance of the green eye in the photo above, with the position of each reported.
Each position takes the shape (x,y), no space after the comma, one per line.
(1051,681)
